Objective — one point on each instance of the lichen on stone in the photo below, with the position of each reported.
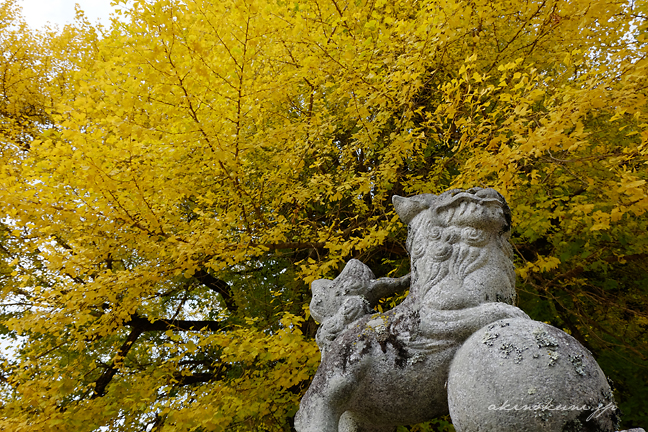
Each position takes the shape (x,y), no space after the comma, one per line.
(553,357)
(544,340)
(489,338)
(577,361)
(508,348)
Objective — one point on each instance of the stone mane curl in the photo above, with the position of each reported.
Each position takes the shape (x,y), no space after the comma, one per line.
(438,251)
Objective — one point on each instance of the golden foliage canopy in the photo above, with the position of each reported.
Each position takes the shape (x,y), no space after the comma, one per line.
(169,186)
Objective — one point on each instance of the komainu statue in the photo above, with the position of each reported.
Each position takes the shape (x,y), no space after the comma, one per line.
(456,344)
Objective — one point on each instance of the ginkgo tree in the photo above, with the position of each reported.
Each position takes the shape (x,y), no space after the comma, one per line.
(171,184)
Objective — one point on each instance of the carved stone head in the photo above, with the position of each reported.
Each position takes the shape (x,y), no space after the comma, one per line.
(330,295)
(458,243)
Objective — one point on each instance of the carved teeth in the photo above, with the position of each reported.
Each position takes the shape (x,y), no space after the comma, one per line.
(462,208)
(466,207)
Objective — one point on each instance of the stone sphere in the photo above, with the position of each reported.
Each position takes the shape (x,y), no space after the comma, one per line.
(518,375)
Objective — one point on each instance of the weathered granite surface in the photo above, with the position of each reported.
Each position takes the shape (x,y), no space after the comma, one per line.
(381,370)
(521,375)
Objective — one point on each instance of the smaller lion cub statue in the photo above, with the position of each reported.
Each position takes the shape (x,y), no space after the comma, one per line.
(350,296)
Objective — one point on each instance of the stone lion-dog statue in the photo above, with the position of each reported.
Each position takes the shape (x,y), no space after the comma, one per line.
(382,370)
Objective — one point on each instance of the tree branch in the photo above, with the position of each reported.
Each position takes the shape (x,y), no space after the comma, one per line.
(196,378)
(292,245)
(107,376)
(144,324)
(218,285)
(140,325)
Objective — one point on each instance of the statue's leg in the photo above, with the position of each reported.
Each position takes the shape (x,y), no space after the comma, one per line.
(459,324)
(349,424)
(324,403)
(315,416)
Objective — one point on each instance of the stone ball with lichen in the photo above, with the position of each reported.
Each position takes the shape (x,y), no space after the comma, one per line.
(522,375)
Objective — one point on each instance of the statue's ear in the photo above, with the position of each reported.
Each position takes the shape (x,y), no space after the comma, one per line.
(407,208)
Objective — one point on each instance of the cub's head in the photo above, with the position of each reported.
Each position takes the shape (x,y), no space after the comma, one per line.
(329,296)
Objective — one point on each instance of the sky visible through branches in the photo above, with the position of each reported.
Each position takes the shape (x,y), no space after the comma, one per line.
(39,12)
